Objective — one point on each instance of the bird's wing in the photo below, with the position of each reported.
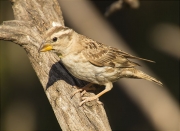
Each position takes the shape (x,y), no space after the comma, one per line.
(102,55)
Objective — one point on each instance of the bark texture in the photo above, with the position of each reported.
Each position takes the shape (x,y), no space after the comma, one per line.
(32,19)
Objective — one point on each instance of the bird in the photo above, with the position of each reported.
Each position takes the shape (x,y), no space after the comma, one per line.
(92,61)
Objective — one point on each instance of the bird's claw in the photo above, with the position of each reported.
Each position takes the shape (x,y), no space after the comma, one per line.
(78,90)
(87,99)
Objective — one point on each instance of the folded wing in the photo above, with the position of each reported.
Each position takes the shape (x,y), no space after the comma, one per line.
(102,55)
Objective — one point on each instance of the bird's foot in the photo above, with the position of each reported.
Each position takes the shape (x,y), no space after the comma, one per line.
(78,90)
(83,89)
(87,99)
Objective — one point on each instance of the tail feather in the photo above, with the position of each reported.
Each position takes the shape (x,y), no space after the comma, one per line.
(135,73)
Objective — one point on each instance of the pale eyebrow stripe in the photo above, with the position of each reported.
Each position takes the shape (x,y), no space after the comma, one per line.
(59,33)
(54,30)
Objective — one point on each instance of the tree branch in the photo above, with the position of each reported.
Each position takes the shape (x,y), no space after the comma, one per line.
(33,18)
(117,5)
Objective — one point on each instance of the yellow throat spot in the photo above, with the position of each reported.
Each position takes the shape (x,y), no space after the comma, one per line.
(46,48)
(60,55)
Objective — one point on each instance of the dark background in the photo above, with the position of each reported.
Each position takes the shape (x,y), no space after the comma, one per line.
(20,86)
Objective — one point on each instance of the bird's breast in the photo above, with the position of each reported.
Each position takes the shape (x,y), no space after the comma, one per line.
(81,68)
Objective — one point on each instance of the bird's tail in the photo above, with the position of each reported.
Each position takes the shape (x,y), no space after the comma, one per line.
(135,73)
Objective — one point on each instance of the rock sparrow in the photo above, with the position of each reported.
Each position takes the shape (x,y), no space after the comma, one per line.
(92,61)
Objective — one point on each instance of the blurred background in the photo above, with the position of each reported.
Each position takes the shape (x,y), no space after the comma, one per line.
(150,31)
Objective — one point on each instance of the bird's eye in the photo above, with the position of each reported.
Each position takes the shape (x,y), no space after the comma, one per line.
(54,39)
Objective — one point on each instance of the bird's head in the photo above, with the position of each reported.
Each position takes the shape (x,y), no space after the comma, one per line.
(57,39)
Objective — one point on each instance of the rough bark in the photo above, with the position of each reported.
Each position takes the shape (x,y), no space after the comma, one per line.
(32,19)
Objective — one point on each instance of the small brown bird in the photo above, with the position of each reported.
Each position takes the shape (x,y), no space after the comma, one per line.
(92,61)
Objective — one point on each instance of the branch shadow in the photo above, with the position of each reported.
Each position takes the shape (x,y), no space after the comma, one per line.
(59,72)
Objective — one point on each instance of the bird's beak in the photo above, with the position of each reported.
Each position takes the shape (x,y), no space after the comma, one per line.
(45,47)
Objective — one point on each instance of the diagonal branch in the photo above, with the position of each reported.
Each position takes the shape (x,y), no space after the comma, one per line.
(33,18)
(19,32)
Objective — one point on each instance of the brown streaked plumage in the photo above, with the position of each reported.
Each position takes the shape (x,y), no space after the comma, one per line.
(92,61)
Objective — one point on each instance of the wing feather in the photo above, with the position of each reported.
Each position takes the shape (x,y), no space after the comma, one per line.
(102,55)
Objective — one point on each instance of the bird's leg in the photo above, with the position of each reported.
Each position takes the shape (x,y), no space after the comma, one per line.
(83,89)
(107,88)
